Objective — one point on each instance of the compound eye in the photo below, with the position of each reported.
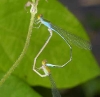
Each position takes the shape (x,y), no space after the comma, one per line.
(39,16)
(44,62)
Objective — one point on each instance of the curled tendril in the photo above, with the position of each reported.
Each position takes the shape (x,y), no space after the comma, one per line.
(33,8)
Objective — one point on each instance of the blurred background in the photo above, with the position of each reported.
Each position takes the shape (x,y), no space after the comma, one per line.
(13,31)
(88,13)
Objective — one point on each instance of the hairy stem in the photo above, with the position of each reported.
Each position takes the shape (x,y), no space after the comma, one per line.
(33,11)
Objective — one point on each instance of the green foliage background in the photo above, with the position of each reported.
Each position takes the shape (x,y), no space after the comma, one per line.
(15,87)
(14,22)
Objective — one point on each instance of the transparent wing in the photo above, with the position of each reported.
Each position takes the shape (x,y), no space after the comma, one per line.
(55,91)
(71,38)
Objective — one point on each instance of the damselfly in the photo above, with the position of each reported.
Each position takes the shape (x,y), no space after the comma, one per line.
(66,36)
(47,72)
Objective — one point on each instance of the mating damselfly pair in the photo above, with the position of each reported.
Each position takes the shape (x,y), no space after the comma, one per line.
(68,38)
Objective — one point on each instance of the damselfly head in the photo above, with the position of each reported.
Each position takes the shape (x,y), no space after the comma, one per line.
(44,62)
(39,16)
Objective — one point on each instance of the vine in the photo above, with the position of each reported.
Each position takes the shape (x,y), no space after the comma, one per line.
(33,11)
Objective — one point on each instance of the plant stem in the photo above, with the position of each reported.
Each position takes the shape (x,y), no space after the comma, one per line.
(25,46)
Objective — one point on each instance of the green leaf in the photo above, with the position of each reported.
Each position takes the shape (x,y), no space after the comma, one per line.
(14,22)
(15,87)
